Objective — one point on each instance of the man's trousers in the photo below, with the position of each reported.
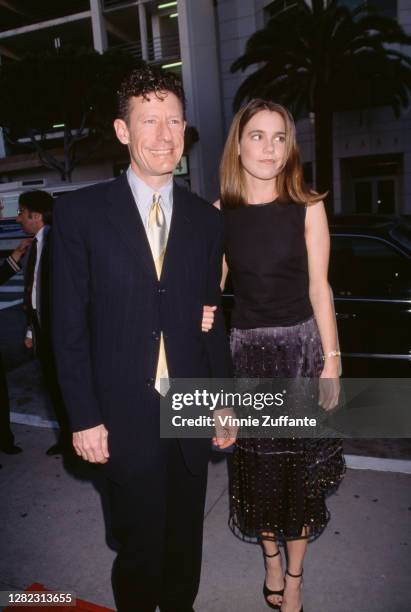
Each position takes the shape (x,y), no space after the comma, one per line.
(157,520)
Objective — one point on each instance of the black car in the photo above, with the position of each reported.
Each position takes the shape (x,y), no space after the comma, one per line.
(370,273)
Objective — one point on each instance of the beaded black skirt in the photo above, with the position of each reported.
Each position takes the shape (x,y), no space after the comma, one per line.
(279,485)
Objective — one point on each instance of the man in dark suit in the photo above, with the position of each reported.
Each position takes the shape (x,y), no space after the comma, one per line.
(8,269)
(35,217)
(135,261)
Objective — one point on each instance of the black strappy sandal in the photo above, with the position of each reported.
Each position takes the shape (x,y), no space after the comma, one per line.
(268,592)
(294,576)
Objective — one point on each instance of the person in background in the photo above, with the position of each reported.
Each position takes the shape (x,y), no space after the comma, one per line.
(35,217)
(9,268)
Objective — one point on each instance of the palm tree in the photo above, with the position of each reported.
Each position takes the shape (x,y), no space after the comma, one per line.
(321,57)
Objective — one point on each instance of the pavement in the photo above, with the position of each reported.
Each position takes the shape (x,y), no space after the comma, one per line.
(53,530)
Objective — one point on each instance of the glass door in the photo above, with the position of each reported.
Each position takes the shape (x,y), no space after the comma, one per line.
(375,195)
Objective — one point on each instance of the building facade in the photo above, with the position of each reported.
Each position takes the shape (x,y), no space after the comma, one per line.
(201,39)
(177,36)
(372,149)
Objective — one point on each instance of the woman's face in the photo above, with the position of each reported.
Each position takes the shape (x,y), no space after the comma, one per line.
(262,145)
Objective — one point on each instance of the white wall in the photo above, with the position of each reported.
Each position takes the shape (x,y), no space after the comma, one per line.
(201,77)
(89,172)
(237,22)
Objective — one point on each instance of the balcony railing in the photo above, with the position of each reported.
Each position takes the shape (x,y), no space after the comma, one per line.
(160,49)
(164,48)
(108,5)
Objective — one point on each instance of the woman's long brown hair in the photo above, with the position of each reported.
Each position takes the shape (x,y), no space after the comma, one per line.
(290,182)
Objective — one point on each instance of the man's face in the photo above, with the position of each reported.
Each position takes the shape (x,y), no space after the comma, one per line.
(31,222)
(154,134)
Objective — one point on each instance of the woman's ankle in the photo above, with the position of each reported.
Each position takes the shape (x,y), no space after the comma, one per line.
(295,572)
(269,547)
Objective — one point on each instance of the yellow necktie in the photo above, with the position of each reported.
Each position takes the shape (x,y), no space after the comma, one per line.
(157,237)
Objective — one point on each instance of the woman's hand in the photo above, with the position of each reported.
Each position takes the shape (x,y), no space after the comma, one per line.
(208,318)
(329,384)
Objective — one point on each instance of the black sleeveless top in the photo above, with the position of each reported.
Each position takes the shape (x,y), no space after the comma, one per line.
(267,258)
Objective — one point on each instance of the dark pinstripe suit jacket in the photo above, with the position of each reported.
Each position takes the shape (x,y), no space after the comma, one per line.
(109,309)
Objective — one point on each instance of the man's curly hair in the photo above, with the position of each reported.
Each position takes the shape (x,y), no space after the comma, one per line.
(145,81)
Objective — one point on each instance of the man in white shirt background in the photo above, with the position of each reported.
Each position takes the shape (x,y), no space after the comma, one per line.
(35,217)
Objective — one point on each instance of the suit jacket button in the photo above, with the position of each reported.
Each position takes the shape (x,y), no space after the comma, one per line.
(150,382)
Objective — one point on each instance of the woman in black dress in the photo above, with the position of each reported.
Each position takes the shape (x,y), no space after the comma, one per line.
(283,325)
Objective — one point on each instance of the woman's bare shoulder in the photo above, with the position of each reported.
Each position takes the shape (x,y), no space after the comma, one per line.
(217,204)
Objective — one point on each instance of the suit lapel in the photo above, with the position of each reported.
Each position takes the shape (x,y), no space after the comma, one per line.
(124,216)
(180,229)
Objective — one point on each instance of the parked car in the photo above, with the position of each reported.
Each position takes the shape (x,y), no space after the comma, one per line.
(370,273)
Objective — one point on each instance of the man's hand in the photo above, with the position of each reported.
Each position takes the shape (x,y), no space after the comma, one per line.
(21,249)
(91,444)
(28,342)
(208,318)
(226,434)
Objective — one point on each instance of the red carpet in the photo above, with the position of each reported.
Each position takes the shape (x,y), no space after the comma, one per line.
(81,605)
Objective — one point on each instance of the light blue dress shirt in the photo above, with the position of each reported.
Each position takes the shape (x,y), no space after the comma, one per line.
(143,196)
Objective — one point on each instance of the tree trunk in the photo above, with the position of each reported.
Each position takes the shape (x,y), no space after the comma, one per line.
(324,151)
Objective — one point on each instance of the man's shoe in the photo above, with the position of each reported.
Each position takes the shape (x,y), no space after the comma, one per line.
(11,449)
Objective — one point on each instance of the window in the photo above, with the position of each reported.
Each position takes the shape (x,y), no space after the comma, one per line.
(375,195)
(363,197)
(402,234)
(387,8)
(372,184)
(8,206)
(373,250)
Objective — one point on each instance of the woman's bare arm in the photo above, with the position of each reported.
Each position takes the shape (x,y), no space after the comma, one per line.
(317,239)
(225,267)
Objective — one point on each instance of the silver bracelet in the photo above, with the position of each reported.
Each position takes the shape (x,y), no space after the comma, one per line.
(332,354)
